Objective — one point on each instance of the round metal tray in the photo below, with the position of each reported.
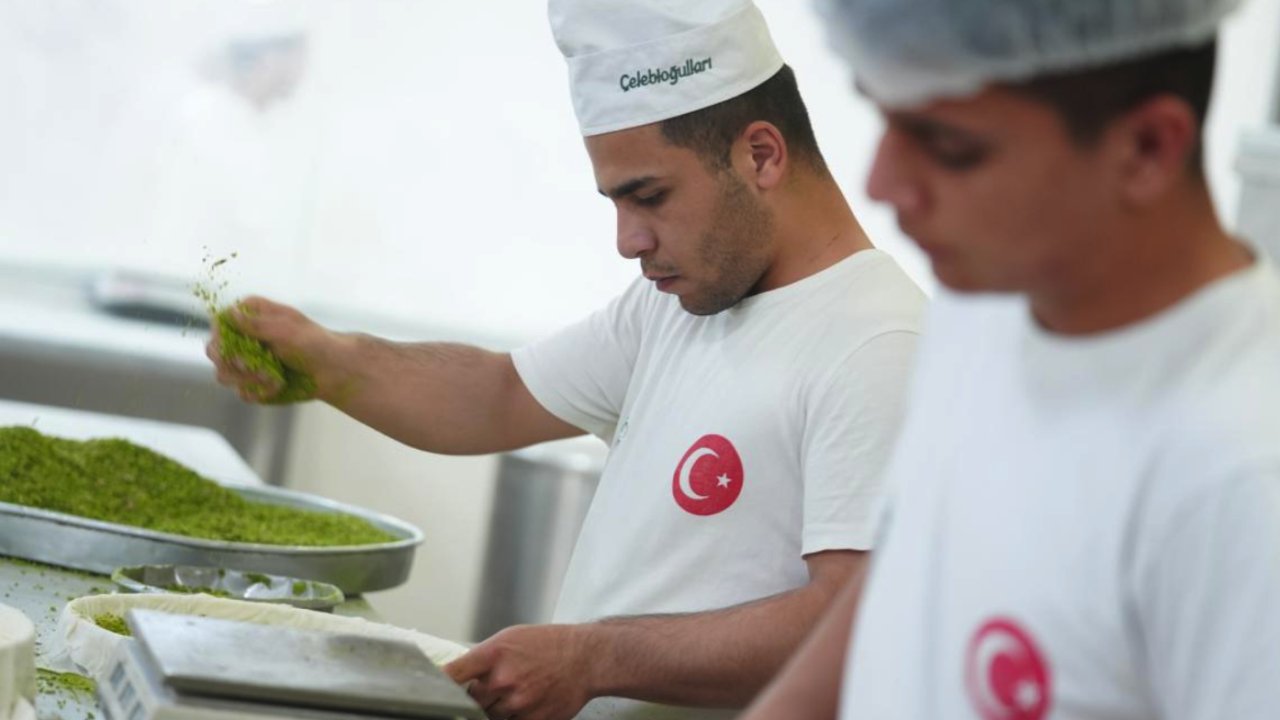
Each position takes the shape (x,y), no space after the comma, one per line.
(95,546)
(225,582)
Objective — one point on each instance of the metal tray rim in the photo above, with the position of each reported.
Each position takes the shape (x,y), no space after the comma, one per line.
(302,500)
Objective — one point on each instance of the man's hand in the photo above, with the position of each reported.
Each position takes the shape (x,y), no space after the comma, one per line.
(288,334)
(716,658)
(530,672)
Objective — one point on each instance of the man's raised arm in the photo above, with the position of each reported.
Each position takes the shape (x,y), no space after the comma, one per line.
(441,397)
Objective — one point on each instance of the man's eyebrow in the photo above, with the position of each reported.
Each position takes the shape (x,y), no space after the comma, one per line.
(926,127)
(628,187)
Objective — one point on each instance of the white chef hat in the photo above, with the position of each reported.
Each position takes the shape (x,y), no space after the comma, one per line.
(635,62)
(909,52)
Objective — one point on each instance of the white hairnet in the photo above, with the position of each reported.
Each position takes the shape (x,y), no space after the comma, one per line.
(909,52)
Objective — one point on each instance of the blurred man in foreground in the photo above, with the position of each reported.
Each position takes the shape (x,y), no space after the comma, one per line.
(1085,520)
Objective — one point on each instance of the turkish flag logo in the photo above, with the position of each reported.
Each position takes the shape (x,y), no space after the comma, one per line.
(709,477)
(1006,673)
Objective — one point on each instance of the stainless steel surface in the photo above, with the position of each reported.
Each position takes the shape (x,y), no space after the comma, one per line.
(290,667)
(146,296)
(539,505)
(1258,163)
(101,547)
(250,586)
(41,592)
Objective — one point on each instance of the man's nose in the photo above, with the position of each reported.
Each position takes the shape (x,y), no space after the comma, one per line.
(890,178)
(634,237)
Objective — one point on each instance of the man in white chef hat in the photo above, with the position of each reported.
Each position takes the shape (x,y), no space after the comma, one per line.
(1085,520)
(749,386)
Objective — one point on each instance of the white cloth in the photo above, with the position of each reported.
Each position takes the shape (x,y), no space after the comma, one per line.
(1083,528)
(800,390)
(636,62)
(910,52)
(92,648)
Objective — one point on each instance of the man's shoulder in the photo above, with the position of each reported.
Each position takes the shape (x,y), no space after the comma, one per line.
(1221,425)
(1232,408)
(863,296)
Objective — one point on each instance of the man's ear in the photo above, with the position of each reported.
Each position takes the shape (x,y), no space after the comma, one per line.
(765,153)
(1157,143)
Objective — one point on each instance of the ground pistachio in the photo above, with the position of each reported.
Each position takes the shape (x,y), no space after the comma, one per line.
(51,681)
(116,481)
(113,623)
(295,385)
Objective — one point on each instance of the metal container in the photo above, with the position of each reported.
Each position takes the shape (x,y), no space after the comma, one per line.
(540,502)
(1258,162)
(101,547)
(235,584)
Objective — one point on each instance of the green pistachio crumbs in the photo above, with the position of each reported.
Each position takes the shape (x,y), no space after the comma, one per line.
(113,623)
(295,385)
(196,590)
(51,680)
(116,481)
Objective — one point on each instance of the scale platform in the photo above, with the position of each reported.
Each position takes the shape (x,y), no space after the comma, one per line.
(181,667)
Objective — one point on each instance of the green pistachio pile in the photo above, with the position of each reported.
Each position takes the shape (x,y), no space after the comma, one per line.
(295,385)
(112,623)
(50,681)
(116,481)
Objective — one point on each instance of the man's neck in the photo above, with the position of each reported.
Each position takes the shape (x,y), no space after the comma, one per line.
(1147,267)
(815,229)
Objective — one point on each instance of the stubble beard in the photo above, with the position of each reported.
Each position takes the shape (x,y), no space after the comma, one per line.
(733,250)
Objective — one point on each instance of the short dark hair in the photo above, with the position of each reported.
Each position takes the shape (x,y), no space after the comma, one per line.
(1088,100)
(711,131)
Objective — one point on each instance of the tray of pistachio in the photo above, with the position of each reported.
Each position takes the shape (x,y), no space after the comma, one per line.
(98,505)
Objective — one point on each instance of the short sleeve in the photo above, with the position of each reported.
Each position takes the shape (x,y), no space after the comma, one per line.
(1207,601)
(581,374)
(851,425)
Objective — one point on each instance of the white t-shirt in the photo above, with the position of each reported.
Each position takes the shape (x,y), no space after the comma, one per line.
(1083,528)
(740,442)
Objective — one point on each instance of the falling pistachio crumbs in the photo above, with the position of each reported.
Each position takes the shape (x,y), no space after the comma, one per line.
(294,383)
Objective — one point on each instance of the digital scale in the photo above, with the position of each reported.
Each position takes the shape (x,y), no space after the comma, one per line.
(180,667)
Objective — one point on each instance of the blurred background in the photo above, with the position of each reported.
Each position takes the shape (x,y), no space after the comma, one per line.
(409,168)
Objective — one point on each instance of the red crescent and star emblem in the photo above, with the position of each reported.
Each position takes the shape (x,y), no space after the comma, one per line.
(709,477)
(1006,673)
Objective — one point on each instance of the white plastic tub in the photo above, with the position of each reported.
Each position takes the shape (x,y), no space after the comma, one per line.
(17,665)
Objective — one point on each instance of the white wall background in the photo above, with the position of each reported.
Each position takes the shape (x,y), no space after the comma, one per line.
(428,170)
